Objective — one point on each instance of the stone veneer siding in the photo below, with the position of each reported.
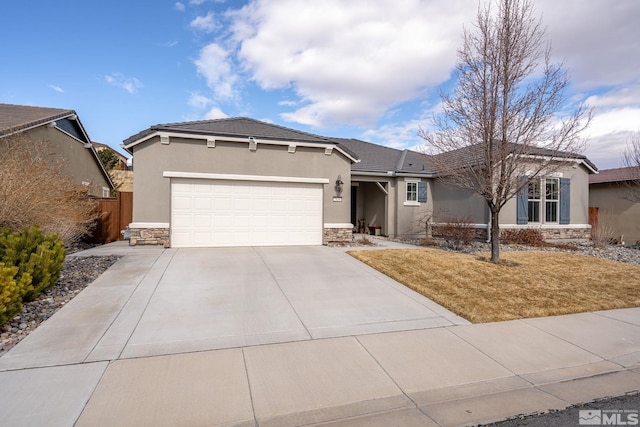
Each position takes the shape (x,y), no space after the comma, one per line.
(337,235)
(547,233)
(566,233)
(149,236)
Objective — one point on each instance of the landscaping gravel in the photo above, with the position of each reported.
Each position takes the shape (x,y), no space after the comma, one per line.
(628,254)
(76,274)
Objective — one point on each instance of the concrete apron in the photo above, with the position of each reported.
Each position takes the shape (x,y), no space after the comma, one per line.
(183,300)
(94,351)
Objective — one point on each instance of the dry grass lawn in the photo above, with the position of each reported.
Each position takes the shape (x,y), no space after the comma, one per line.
(524,284)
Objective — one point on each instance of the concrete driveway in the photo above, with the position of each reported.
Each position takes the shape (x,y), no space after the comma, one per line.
(87,367)
(156,302)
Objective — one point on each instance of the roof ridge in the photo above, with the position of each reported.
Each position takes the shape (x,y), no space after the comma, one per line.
(229,119)
(46,114)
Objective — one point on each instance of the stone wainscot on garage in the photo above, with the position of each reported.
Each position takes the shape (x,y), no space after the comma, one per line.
(238,182)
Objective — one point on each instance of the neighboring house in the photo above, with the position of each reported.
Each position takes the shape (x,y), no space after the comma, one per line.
(67,138)
(239,181)
(614,197)
(122,159)
(121,174)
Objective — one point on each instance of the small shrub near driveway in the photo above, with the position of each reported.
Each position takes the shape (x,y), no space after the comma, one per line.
(10,293)
(525,284)
(30,262)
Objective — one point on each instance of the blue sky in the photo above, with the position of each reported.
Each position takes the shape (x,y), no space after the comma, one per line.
(369,69)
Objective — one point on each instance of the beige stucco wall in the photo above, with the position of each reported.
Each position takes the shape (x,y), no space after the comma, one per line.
(75,160)
(455,202)
(389,211)
(579,197)
(615,211)
(410,218)
(371,202)
(151,191)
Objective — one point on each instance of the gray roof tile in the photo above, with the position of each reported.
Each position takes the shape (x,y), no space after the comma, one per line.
(237,127)
(380,159)
(14,118)
(615,175)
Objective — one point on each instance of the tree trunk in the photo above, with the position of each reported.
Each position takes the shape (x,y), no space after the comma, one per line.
(495,236)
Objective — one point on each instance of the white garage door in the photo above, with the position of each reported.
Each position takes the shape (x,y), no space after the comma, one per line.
(209,213)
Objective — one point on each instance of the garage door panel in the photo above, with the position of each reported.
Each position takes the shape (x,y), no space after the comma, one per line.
(241,213)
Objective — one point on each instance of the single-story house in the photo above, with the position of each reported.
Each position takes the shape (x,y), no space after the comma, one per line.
(614,198)
(239,181)
(68,141)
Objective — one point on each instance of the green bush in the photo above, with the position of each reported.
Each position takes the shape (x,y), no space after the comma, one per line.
(10,292)
(39,259)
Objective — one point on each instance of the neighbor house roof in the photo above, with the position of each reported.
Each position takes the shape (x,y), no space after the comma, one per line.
(20,118)
(376,158)
(237,127)
(16,118)
(615,175)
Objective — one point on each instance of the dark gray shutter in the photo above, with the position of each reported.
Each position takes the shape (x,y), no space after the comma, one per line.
(422,192)
(565,201)
(522,201)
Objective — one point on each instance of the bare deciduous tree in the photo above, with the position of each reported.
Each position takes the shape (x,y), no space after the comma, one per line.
(632,161)
(34,190)
(508,108)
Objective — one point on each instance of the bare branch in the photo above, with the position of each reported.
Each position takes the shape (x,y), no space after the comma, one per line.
(507,108)
(35,191)
(631,158)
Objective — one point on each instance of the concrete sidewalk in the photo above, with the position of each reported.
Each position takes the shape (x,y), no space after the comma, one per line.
(81,367)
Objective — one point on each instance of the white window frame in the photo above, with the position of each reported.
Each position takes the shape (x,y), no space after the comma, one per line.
(542,200)
(106,192)
(534,200)
(555,201)
(413,183)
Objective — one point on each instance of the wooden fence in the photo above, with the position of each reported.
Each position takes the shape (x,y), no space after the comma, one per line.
(115,213)
(593,218)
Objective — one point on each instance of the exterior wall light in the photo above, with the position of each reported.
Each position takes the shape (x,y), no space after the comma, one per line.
(339,185)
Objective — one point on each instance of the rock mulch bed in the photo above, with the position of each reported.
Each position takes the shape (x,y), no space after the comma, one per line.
(628,254)
(76,274)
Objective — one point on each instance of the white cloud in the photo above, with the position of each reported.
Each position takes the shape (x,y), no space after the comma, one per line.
(287,103)
(199,101)
(215,113)
(597,39)
(348,61)
(130,84)
(179,7)
(356,62)
(205,23)
(168,44)
(56,88)
(397,135)
(196,2)
(215,64)
(618,97)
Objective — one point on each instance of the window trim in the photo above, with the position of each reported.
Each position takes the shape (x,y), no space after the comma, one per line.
(542,200)
(556,201)
(415,182)
(537,201)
